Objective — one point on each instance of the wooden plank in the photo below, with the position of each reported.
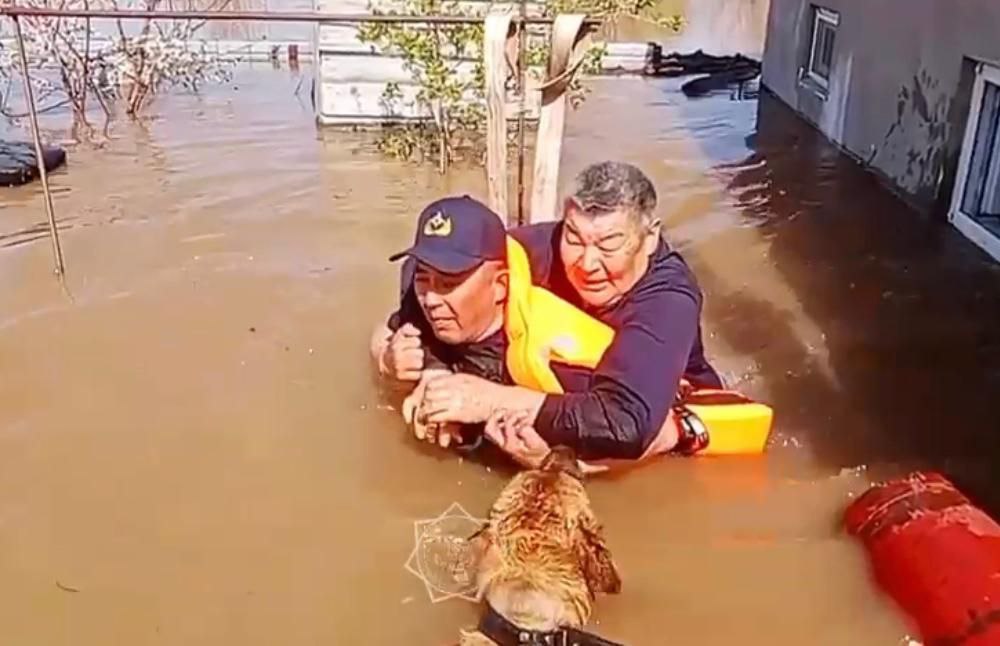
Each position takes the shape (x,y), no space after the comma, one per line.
(342,102)
(632,50)
(341,35)
(336,67)
(567,53)
(363,99)
(495,40)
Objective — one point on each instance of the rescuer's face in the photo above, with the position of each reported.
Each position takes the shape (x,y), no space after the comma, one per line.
(461,308)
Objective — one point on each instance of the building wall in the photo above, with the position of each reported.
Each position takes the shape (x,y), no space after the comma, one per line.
(900,85)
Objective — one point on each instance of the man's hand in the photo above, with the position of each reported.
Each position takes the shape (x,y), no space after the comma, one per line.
(414,413)
(459,398)
(403,357)
(513,432)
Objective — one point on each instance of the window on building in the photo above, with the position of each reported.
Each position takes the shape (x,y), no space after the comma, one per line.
(982,197)
(824,33)
(976,206)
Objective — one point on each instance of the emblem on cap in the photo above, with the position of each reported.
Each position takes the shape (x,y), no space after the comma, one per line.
(438,225)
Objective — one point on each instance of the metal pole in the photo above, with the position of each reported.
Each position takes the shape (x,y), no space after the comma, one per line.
(266,16)
(522,55)
(29,96)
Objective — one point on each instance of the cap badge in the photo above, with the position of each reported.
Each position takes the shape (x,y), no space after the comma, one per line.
(438,225)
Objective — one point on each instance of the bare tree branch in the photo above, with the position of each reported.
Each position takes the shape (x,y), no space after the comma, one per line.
(131,68)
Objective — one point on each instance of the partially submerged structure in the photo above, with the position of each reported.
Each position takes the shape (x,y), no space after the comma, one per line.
(911,89)
(505,55)
(352,76)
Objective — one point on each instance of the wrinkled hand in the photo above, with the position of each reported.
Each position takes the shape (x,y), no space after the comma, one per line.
(459,398)
(513,432)
(403,357)
(415,414)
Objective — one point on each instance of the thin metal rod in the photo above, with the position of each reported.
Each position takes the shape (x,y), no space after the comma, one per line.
(86,67)
(265,16)
(522,55)
(29,96)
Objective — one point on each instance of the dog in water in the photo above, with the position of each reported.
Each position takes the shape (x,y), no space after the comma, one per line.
(541,559)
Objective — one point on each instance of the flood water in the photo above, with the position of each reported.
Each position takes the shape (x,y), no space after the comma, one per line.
(192,450)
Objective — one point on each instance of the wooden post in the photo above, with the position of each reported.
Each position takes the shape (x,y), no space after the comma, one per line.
(521,45)
(497,31)
(566,57)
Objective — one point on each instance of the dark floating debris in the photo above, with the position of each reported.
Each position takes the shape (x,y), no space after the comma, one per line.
(17,162)
(715,72)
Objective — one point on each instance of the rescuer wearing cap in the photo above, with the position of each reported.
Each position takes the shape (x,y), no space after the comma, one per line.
(517,317)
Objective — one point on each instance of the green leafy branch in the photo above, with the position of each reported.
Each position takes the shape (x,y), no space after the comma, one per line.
(445,63)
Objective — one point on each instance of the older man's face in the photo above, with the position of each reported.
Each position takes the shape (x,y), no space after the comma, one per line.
(604,255)
(461,308)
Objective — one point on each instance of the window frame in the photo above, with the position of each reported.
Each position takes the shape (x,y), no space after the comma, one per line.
(968,223)
(830,20)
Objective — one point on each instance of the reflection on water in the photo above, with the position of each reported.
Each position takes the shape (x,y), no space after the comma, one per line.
(907,306)
(194,444)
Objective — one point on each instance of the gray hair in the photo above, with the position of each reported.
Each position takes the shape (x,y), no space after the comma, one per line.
(609,186)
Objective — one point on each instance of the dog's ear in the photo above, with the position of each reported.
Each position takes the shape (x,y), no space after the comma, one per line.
(562,458)
(481,540)
(479,532)
(482,558)
(594,556)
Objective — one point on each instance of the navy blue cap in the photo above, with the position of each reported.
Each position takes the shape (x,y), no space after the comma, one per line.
(457,234)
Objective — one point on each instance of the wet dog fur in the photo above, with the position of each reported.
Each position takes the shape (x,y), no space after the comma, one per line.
(541,559)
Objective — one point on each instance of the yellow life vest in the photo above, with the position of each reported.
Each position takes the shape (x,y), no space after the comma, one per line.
(542,328)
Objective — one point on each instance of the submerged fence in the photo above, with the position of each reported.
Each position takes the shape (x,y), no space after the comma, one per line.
(505,37)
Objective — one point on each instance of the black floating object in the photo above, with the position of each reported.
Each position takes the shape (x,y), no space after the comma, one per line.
(737,75)
(678,64)
(18,165)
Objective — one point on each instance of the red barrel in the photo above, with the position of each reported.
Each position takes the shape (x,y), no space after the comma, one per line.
(936,554)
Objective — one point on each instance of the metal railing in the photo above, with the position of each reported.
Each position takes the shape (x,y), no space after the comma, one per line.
(15,11)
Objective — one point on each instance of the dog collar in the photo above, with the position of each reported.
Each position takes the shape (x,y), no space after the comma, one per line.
(503,632)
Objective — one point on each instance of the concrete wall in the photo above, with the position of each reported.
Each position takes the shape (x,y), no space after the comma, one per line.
(900,85)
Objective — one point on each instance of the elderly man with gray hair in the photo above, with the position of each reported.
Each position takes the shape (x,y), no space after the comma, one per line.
(607,256)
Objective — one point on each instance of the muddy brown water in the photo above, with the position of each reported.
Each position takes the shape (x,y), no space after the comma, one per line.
(192,450)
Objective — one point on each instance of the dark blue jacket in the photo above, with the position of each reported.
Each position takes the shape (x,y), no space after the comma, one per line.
(617,409)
